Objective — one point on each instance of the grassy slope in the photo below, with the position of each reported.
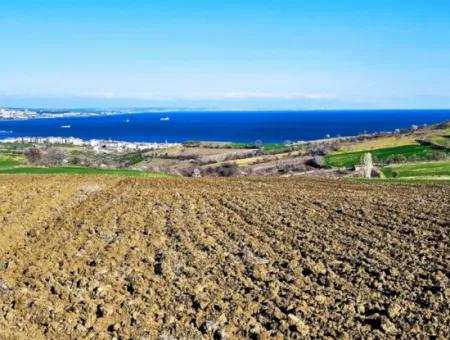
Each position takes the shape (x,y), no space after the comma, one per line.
(379,143)
(437,136)
(421,152)
(441,168)
(80,171)
(441,140)
(15,164)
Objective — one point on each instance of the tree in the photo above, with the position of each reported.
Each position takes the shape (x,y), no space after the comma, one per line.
(34,155)
(368,165)
(54,157)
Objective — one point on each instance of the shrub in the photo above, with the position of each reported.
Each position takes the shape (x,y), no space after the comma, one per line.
(396,159)
(228,170)
(191,144)
(316,162)
(438,155)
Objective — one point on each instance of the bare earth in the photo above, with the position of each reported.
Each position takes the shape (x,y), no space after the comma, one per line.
(86,257)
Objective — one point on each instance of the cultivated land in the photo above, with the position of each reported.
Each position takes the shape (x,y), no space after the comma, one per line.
(331,157)
(101,257)
(417,170)
(408,152)
(71,170)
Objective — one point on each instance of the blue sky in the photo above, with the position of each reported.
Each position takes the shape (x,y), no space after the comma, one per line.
(230,54)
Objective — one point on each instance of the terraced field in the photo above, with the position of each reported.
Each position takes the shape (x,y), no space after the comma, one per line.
(102,257)
(437,170)
(408,152)
(78,170)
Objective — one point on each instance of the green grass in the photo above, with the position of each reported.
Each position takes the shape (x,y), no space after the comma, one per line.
(440,168)
(408,152)
(441,140)
(267,147)
(71,170)
(130,158)
(14,146)
(10,160)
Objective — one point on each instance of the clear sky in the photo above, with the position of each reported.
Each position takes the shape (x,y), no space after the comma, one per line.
(225,53)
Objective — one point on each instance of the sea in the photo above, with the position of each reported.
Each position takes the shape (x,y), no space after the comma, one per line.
(226,126)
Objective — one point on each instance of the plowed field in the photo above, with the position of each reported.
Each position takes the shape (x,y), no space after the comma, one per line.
(88,257)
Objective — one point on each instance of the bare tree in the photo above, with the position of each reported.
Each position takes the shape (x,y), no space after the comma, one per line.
(54,157)
(368,165)
(34,155)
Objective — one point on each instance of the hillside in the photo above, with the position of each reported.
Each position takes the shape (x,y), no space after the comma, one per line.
(98,257)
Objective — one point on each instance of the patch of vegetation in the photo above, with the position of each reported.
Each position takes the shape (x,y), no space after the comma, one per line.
(191,144)
(15,146)
(418,170)
(413,152)
(10,160)
(441,140)
(130,158)
(378,143)
(70,170)
(266,147)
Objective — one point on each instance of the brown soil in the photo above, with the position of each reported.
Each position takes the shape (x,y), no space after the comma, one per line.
(86,257)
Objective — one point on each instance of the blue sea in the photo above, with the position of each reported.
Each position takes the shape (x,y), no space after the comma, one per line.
(233,126)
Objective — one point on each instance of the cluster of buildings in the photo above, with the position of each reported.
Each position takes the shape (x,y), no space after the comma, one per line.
(16,114)
(96,145)
(118,146)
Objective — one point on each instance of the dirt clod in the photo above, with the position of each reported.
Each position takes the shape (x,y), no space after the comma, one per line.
(85,257)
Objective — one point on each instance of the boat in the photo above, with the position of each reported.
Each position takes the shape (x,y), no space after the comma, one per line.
(66,126)
(164,119)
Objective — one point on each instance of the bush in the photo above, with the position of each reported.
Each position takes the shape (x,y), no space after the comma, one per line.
(316,162)
(319,150)
(228,170)
(438,155)
(76,160)
(191,144)
(396,159)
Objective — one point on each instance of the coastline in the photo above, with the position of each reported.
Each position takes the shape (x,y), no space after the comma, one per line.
(227,126)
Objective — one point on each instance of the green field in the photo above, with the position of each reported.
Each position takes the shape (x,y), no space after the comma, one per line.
(71,170)
(429,169)
(14,146)
(10,160)
(267,147)
(16,164)
(411,152)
